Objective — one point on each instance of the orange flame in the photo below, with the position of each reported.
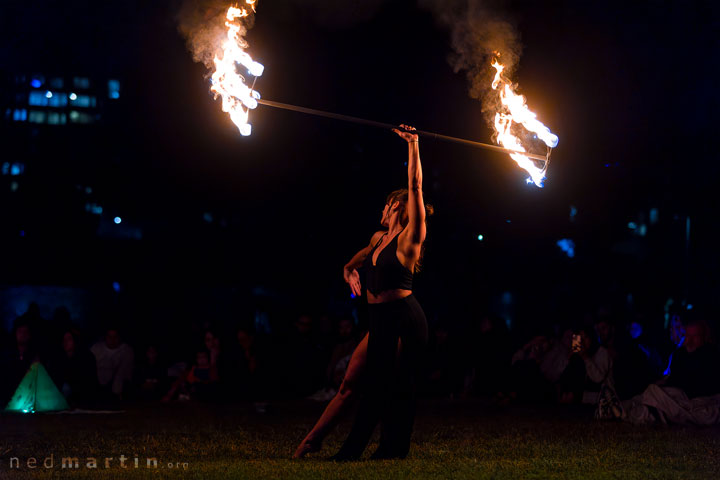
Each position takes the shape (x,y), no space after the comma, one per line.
(514,109)
(237,97)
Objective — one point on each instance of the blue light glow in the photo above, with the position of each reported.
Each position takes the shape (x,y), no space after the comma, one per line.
(481,237)
(116,286)
(117,220)
(654,216)
(114,89)
(73,96)
(35,83)
(48,94)
(567,246)
(352,295)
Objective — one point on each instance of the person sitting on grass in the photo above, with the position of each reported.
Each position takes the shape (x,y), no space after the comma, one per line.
(589,368)
(198,383)
(115,360)
(690,393)
(74,371)
(16,362)
(151,378)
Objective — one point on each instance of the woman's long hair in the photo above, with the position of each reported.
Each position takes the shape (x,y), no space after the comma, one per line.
(401,196)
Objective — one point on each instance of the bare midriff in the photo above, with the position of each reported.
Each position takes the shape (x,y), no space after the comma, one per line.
(388,295)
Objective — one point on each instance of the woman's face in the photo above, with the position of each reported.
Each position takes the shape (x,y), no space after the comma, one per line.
(385,220)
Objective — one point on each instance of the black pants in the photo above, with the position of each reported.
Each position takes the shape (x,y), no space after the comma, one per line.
(390,379)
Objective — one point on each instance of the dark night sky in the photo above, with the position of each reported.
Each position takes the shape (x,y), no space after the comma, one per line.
(629,87)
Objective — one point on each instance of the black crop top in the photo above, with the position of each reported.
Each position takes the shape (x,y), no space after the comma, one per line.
(389,273)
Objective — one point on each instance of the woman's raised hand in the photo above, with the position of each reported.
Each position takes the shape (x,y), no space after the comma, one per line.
(352,277)
(408,136)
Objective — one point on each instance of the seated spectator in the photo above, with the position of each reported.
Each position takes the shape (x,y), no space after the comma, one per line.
(212,344)
(636,364)
(74,370)
(690,394)
(555,360)
(242,366)
(198,383)
(151,375)
(636,331)
(18,359)
(674,340)
(490,359)
(694,368)
(527,382)
(589,368)
(304,359)
(442,362)
(344,346)
(114,361)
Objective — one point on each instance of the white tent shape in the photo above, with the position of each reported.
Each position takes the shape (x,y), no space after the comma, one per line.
(37,393)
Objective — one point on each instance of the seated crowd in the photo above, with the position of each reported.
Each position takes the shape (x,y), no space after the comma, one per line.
(617,367)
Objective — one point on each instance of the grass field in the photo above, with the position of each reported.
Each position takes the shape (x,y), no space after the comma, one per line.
(461,439)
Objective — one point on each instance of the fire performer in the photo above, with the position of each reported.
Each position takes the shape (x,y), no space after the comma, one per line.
(387,360)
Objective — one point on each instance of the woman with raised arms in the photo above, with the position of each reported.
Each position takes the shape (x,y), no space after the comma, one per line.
(385,364)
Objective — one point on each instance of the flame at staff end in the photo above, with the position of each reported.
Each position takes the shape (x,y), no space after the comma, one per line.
(514,109)
(237,97)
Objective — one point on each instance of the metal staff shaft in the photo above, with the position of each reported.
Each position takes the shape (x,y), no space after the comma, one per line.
(389,126)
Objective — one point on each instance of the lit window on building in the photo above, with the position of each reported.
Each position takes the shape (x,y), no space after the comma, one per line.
(84,101)
(81,117)
(37,116)
(20,115)
(54,118)
(58,100)
(38,99)
(93,208)
(36,81)
(12,169)
(81,82)
(114,89)
(56,82)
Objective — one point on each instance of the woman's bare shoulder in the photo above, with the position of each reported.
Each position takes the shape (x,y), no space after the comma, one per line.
(377,236)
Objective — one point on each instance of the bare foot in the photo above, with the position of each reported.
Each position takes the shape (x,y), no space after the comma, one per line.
(307,446)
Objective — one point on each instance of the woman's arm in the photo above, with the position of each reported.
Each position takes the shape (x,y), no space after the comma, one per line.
(357,260)
(416,206)
(350,273)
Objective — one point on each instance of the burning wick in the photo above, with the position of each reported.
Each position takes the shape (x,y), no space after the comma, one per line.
(237,97)
(514,109)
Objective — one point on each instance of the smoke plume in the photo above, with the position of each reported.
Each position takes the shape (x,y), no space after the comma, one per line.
(202,23)
(478,33)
